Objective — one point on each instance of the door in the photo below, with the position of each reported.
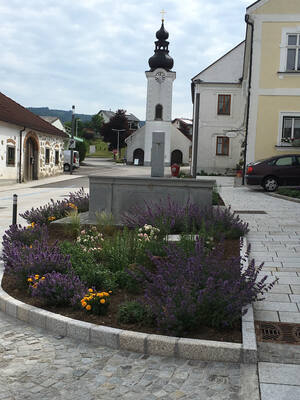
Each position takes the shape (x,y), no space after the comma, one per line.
(31,160)
(176,157)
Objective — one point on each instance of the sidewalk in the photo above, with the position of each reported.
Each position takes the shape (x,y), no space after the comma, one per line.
(275,240)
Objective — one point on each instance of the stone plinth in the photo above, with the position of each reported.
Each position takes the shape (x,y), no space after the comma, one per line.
(117,195)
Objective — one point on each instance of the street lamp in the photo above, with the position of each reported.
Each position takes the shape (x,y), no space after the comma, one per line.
(118,130)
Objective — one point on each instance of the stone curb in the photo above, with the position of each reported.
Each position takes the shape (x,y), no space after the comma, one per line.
(281,196)
(149,344)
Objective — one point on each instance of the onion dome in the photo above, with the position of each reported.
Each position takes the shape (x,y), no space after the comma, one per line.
(161,58)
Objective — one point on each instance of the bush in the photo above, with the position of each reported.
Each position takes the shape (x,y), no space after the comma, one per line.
(171,217)
(185,291)
(57,289)
(39,258)
(57,209)
(132,312)
(86,267)
(24,235)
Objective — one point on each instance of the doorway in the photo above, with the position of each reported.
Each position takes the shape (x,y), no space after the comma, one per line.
(31,160)
(176,157)
(138,154)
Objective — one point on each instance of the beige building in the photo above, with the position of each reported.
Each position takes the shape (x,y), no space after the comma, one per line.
(273,35)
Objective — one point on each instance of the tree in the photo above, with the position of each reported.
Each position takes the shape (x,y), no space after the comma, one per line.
(120,122)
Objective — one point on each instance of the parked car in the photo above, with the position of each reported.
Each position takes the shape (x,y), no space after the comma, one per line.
(275,171)
(67,159)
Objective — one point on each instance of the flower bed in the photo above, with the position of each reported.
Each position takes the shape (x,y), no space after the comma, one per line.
(134,278)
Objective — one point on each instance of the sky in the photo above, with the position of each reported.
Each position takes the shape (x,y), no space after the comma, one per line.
(94,53)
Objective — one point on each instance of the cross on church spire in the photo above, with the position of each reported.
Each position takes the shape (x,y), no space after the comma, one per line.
(163,12)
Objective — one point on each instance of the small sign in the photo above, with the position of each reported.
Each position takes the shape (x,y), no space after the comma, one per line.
(136,161)
(92,149)
(72,144)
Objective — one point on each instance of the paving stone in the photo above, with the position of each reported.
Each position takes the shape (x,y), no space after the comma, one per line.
(287,374)
(266,316)
(274,306)
(40,364)
(279,392)
(292,317)
(280,297)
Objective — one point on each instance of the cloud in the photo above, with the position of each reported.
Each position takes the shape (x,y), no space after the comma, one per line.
(93,53)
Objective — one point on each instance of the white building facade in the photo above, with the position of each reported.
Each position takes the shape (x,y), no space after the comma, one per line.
(160,80)
(30,148)
(219,98)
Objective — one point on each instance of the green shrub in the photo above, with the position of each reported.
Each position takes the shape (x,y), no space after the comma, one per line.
(132,312)
(295,193)
(85,265)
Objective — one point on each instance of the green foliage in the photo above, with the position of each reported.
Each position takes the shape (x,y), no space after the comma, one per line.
(82,147)
(74,225)
(118,121)
(132,312)
(295,193)
(105,222)
(86,267)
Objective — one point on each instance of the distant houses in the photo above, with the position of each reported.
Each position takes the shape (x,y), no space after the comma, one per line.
(30,147)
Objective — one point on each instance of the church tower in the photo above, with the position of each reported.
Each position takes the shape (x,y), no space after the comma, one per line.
(159,95)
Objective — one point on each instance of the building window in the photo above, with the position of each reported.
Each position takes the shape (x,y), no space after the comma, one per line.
(293,52)
(224,102)
(56,157)
(222,146)
(290,129)
(158,111)
(11,156)
(47,156)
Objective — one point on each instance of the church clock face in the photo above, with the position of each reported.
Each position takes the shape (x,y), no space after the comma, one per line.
(160,77)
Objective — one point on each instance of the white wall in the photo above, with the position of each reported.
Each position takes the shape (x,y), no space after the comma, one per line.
(180,142)
(9,135)
(135,141)
(212,125)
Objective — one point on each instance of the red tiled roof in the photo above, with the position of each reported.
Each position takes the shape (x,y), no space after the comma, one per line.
(14,113)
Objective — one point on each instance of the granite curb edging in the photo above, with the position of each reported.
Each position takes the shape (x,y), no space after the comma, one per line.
(149,344)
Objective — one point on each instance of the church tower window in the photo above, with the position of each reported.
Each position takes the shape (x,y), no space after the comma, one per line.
(158,111)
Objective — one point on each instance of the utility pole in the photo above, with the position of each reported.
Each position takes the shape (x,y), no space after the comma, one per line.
(72,138)
(118,130)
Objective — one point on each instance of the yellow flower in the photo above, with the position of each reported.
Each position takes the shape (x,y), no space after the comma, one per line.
(100,294)
(42,278)
(83,303)
(88,307)
(102,301)
(32,224)
(30,246)
(36,276)
(106,294)
(51,218)
(29,280)
(91,290)
(34,286)
(109,291)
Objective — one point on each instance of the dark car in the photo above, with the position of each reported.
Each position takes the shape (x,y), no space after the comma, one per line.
(275,171)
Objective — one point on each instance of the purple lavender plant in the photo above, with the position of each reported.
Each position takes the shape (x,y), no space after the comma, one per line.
(59,289)
(185,291)
(39,258)
(25,235)
(171,217)
(57,209)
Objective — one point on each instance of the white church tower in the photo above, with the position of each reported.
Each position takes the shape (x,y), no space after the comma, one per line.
(159,95)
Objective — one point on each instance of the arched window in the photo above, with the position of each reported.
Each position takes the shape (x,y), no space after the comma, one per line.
(158,111)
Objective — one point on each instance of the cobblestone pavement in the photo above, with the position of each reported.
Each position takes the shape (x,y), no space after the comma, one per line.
(37,365)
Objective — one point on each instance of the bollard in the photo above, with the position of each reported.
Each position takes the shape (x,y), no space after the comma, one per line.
(15,204)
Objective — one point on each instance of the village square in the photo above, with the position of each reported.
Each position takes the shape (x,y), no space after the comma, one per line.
(159,258)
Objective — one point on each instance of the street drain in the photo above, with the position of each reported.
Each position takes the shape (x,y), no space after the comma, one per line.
(277,332)
(250,212)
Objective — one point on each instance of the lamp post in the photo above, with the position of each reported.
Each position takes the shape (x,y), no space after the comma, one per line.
(72,136)
(118,130)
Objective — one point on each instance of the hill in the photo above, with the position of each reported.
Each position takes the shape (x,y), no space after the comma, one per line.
(64,116)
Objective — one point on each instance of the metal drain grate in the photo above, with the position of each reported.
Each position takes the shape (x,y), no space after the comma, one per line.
(250,212)
(277,332)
